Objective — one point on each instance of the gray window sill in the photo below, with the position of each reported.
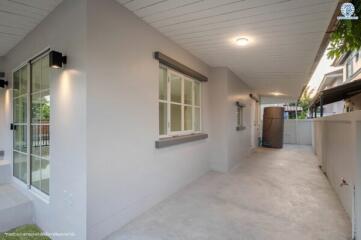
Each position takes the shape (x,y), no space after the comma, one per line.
(167,142)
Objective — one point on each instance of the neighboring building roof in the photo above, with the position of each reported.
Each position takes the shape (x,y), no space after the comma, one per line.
(356,75)
(292,108)
(330,78)
(338,93)
(341,60)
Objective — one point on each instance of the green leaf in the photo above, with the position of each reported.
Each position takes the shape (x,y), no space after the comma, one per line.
(347,35)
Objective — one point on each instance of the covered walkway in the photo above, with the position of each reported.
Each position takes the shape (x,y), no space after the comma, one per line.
(275,195)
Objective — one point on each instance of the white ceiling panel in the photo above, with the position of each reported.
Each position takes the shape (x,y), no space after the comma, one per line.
(19,17)
(284,35)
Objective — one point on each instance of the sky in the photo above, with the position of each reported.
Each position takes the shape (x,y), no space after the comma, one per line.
(323,67)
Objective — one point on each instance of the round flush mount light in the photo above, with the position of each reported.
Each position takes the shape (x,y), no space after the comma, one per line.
(242,41)
(277,93)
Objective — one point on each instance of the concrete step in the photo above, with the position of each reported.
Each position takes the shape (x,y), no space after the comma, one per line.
(15,208)
(5,172)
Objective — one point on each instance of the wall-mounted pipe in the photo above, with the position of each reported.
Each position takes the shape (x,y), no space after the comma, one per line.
(238,104)
(343,182)
(253,97)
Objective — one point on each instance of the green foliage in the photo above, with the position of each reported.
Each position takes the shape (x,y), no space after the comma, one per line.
(21,233)
(305,103)
(347,35)
(42,110)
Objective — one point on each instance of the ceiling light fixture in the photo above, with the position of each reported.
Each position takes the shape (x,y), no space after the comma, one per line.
(242,41)
(277,93)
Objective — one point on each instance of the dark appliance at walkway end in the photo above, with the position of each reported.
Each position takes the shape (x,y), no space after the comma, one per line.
(273,121)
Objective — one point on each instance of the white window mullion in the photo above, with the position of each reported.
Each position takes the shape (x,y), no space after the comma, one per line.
(182,104)
(168,103)
(28,128)
(193,108)
(200,108)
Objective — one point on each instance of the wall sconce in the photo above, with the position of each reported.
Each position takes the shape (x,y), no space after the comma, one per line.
(3,83)
(56,59)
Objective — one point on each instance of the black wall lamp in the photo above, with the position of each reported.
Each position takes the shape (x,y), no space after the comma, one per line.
(56,59)
(3,83)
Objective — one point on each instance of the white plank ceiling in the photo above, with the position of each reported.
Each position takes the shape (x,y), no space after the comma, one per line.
(285,35)
(19,17)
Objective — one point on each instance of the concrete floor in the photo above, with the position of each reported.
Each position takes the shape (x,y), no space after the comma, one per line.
(15,208)
(275,195)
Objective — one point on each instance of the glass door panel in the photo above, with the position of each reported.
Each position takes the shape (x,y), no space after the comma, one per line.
(176,88)
(40,122)
(20,105)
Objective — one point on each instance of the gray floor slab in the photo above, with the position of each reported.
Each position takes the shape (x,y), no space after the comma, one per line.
(275,195)
(15,208)
(5,172)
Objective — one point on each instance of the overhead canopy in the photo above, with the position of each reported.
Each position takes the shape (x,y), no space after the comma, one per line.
(338,93)
(18,18)
(284,37)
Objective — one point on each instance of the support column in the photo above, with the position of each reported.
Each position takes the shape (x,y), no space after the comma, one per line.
(321,106)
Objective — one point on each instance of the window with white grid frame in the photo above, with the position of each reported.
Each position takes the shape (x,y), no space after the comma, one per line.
(179,103)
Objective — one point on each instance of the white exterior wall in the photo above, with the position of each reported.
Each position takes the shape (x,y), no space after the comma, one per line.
(333,108)
(319,133)
(297,131)
(63,30)
(3,105)
(2,64)
(218,101)
(354,102)
(126,173)
(356,67)
(336,142)
(255,121)
(229,147)
(239,143)
(356,64)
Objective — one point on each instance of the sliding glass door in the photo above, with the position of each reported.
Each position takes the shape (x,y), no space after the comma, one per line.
(33,130)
